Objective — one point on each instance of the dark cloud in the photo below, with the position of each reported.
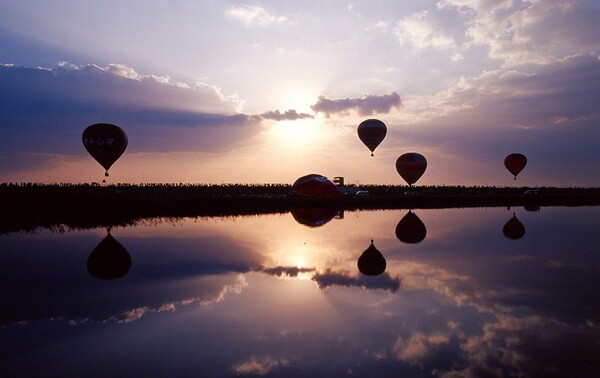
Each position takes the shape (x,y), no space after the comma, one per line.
(45,110)
(382,282)
(288,115)
(364,106)
(290,271)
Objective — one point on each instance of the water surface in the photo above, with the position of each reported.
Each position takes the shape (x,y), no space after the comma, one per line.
(486,291)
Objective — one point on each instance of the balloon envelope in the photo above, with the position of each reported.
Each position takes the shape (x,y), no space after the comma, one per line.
(515,163)
(513,229)
(105,142)
(109,260)
(371,262)
(315,185)
(372,132)
(411,229)
(411,166)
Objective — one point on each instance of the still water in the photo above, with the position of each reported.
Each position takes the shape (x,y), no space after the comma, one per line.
(455,292)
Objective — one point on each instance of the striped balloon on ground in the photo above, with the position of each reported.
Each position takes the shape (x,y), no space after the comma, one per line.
(411,166)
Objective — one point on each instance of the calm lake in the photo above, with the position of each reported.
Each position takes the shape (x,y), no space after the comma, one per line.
(454,292)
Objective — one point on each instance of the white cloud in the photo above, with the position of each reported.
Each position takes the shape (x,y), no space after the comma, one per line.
(520,32)
(255,366)
(418,346)
(254,15)
(420,31)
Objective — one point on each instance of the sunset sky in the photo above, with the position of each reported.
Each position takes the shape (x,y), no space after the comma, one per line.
(267,91)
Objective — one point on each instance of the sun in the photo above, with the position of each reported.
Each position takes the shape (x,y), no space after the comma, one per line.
(293,133)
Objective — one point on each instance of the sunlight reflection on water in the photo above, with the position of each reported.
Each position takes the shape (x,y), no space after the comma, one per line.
(457,293)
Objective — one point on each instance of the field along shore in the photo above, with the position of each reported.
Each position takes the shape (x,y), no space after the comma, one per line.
(27,207)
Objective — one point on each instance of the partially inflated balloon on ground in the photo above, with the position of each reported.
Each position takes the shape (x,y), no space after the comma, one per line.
(315,185)
(372,132)
(105,142)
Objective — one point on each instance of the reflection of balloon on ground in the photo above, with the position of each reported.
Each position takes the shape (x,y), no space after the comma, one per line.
(372,132)
(371,262)
(314,185)
(105,142)
(513,229)
(411,166)
(515,163)
(411,229)
(109,260)
(314,216)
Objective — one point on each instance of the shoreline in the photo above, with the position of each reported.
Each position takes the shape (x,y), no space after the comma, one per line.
(28,207)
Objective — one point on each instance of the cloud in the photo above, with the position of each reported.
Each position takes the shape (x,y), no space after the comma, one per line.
(420,31)
(383,281)
(544,113)
(254,15)
(262,366)
(50,107)
(418,347)
(365,106)
(114,86)
(532,345)
(288,115)
(290,271)
(538,32)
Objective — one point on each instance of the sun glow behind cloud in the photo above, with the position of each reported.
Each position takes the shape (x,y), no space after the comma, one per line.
(251,97)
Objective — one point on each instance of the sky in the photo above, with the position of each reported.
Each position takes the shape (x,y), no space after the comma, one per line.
(268,91)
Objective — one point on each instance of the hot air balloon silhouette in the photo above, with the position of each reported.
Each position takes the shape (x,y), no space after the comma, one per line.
(105,142)
(315,185)
(314,216)
(372,132)
(411,166)
(513,229)
(515,163)
(411,229)
(109,260)
(371,262)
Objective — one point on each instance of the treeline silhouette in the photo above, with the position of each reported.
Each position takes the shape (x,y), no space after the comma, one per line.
(25,207)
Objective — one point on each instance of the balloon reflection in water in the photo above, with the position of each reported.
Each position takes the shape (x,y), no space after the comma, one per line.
(105,142)
(315,216)
(372,132)
(411,229)
(109,260)
(513,229)
(371,262)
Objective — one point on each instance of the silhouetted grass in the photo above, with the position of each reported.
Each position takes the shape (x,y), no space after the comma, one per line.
(25,207)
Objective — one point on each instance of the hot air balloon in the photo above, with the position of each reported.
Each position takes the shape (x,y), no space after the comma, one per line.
(515,163)
(513,229)
(372,132)
(105,142)
(109,260)
(371,262)
(411,166)
(314,216)
(411,229)
(314,185)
